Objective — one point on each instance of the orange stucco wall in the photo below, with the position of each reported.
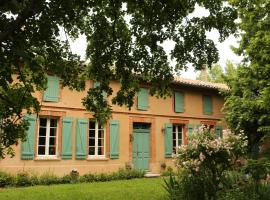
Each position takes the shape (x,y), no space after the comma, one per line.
(160,112)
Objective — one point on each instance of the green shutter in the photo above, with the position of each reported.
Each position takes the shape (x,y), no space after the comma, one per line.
(178,102)
(67,138)
(207,105)
(81,140)
(143,99)
(218,131)
(114,139)
(190,129)
(28,145)
(52,92)
(168,143)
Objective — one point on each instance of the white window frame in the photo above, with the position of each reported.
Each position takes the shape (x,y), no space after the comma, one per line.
(96,141)
(176,137)
(47,140)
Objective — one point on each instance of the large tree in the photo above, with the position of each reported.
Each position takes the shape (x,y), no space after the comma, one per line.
(124,43)
(247,103)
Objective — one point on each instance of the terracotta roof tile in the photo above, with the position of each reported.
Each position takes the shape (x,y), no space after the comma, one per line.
(199,83)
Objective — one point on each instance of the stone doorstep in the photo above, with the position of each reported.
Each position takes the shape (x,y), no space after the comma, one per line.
(151,175)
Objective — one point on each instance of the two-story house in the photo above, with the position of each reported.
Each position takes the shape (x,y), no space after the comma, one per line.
(64,136)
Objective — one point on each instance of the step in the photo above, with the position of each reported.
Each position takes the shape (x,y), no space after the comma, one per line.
(151,175)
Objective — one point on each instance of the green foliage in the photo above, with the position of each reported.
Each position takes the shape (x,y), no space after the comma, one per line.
(247,102)
(23,179)
(216,74)
(48,178)
(204,164)
(6,179)
(124,44)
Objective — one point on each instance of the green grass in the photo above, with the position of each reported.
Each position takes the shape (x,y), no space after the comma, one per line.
(145,189)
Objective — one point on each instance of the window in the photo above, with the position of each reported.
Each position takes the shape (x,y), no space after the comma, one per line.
(47,137)
(143,99)
(177,137)
(96,140)
(178,102)
(51,94)
(207,105)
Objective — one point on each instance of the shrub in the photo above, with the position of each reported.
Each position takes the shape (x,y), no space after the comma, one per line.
(23,179)
(205,161)
(49,178)
(6,179)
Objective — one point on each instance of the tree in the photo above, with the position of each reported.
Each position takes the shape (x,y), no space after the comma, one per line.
(124,44)
(247,101)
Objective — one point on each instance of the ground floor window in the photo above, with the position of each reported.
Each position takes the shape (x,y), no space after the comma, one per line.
(177,137)
(47,137)
(96,139)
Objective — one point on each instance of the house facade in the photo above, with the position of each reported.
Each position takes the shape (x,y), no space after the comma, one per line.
(64,136)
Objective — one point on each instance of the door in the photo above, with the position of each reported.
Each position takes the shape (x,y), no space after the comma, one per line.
(141,146)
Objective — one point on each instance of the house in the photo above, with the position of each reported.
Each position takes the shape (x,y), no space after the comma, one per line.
(64,136)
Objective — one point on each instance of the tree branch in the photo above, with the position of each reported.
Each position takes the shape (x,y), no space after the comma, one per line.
(33,8)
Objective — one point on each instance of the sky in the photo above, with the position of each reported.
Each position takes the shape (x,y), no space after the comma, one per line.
(225,53)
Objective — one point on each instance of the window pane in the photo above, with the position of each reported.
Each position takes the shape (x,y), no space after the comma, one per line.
(100,142)
(91,150)
(92,133)
(52,141)
(179,135)
(43,122)
(52,131)
(179,142)
(174,136)
(41,150)
(174,128)
(100,150)
(53,123)
(100,133)
(174,143)
(41,140)
(92,125)
(42,131)
(52,150)
(91,141)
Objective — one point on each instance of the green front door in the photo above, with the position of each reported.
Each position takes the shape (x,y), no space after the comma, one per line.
(141,148)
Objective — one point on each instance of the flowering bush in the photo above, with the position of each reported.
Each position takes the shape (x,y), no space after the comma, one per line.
(205,151)
(206,158)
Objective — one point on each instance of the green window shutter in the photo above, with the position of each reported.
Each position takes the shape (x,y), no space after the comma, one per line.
(168,144)
(28,146)
(51,94)
(81,140)
(114,139)
(190,129)
(143,99)
(179,102)
(207,105)
(218,131)
(67,138)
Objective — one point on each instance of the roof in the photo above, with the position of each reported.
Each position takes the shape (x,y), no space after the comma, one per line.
(199,83)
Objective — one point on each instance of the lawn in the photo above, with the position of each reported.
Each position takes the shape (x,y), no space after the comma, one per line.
(145,189)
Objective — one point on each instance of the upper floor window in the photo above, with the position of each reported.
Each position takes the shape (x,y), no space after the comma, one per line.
(178,102)
(47,137)
(96,142)
(207,105)
(51,94)
(177,134)
(143,99)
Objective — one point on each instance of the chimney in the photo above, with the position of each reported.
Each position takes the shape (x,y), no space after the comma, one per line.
(203,74)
